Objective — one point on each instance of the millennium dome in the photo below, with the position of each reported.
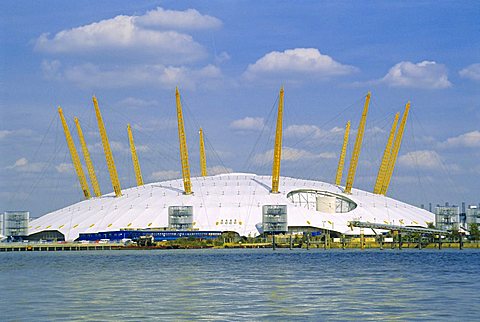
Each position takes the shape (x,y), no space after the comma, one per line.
(245,203)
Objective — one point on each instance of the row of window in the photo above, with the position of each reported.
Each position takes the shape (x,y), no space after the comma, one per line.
(228,222)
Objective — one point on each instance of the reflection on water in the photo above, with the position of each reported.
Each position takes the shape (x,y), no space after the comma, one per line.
(240,285)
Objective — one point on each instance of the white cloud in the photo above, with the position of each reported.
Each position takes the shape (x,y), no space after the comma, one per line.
(154,35)
(133,102)
(156,124)
(303,130)
(469,140)
(426,74)
(426,159)
(5,133)
(248,124)
(92,76)
(472,72)
(217,169)
(15,133)
(300,61)
(64,168)
(172,19)
(312,132)
(165,175)
(23,165)
(291,154)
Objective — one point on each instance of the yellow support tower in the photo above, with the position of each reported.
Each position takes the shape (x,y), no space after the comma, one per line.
(108,152)
(386,157)
(88,160)
(187,185)
(136,165)
(75,159)
(341,161)
(356,148)
(203,157)
(396,149)
(277,153)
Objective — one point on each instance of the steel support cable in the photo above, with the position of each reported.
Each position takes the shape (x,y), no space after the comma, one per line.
(40,146)
(197,126)
(248,160)
(446,170)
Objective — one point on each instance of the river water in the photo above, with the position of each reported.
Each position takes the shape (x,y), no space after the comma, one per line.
(246,285)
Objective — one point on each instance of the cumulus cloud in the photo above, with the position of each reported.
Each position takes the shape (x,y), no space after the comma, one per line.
(426,159)
(189,19)
(248,124)
(426,74)
(165,175)
(312,132)
(291,154)
(92,76)
(469,140)
(23,165)
(471,72)
(154,34)
(299,61)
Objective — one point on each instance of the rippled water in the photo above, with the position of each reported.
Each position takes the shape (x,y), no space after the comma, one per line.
(244,285)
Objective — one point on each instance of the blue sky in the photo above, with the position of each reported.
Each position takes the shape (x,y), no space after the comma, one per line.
(229,59)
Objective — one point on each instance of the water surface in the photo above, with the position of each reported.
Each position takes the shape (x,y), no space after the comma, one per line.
(248,285)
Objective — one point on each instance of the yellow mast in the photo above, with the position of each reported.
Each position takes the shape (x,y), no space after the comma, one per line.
(203,157)
(187,185)
(277,153)
(386,157)
(75,159)
(136,165)
(358,145)
(341,161)
(88,160)
(396,149)
(108,152)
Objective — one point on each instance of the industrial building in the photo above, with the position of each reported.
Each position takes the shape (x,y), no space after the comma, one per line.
(14,223)
(244,203)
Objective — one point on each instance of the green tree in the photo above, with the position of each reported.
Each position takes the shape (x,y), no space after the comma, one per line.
(474,232)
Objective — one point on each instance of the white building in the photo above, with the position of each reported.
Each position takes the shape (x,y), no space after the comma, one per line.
(230,202)
(473,215)
(447,217)
(14,223)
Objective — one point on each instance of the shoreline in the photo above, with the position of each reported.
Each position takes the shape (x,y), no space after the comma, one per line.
(168,246)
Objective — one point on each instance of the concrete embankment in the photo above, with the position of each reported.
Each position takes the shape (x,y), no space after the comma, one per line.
(14,247)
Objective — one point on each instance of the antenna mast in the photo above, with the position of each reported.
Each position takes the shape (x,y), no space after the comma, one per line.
(108,152)
(187,185)
(203,157)
(341,161)
(88,160)
(277,154)
(357,147)
(396,149)
(386,157)
(73,153)
(136,165)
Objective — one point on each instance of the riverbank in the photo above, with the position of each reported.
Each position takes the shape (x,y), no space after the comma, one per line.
(16,247)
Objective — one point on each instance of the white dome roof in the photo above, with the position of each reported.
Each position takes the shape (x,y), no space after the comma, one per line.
(227,202)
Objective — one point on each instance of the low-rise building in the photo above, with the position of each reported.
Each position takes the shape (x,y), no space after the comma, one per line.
(473,215)
(447,217)
(14,223)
